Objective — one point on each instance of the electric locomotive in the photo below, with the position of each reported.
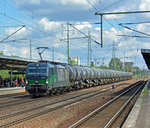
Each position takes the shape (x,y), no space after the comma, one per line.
(42,78)
(47,78)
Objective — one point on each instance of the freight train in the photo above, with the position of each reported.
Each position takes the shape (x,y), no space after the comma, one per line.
(48,78)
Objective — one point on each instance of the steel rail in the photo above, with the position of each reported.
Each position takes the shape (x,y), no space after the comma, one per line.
(111,121)
(45,111)
(38,107)
(12,95)
(20,101)
(82,120)
(97,92)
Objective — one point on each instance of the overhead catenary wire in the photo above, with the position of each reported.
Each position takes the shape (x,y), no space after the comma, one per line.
(9,26)
(15,40)
(145,22)
(106,8)
(111,13)
(109,22)
(135,30)
(32,11)
(134,36)
(135,23)
(110,5)
(28,25)
(84,34)
(92,5)
(114,26)
(12,34)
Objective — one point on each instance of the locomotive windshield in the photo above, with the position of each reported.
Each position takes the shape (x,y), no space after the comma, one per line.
(36,70)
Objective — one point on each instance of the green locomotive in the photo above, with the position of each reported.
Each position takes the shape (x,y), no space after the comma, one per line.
(43,78)
(47,78)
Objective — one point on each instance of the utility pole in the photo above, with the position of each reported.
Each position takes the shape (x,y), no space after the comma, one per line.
(124,62)
(53,53)
(89,49)
(30,51)
(68,42)
(113,55)
(124,57)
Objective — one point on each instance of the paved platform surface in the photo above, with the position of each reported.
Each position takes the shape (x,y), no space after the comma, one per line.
(139,116)
(5,91)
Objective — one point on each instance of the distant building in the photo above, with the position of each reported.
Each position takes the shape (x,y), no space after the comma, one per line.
(129,66)
(75,61)
(137,70)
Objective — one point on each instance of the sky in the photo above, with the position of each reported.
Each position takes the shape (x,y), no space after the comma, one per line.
(43,23)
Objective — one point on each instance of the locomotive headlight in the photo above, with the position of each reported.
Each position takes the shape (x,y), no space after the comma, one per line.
(26,81)
(46,81)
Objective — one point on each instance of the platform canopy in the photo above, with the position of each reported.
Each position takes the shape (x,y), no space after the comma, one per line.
(14,63)
(146,56)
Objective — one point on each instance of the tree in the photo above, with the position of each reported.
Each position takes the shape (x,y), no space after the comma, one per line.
(14,56)
(92,64)
(1,53)
(115,64)
(104,67)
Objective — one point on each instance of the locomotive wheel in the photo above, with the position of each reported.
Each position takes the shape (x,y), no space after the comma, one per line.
(33,95)
(50,92)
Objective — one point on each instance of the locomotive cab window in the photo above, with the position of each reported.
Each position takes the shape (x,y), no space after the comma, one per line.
(36,70)
(41,70)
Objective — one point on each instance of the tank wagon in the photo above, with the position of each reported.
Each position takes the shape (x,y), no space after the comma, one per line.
(47,78)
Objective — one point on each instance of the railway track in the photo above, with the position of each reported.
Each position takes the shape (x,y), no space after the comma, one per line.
(27,114)
(30,113)
(11,102)
(22,101)
(16,102)
(13,95)
(106,115)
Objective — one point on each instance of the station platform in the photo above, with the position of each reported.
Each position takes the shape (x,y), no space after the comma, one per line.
(12,90)
(139,116)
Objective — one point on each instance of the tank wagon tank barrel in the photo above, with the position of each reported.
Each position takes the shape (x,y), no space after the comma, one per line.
(46,78)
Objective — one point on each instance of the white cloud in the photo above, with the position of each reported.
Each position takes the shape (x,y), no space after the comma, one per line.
(114,16)
(20,33)
(129,44)
(111,35)
(78,2)
(76,11)
(144,28)
(56,45)
(145,45)
(9,50)
(83,25)
(34,1)
(24,52)
(133,53)
(144,5)
(61,56)
(72,3)
(49,25)
(98,29)
(59,9)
